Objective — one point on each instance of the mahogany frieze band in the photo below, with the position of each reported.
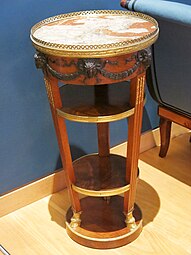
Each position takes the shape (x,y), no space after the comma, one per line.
(92,67)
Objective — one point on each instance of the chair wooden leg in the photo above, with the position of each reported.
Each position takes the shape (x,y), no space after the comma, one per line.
(165,131)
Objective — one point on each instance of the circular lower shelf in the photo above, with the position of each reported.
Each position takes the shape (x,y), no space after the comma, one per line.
(95,104)
(100,176)
(103,225)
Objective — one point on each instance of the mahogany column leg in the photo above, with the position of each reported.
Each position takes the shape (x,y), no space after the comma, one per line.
(101,95)
(103,151)
(134,132)
(165,131)
(61,132)
(103,139)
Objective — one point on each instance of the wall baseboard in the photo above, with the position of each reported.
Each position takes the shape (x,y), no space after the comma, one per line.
(150,139)
(32,192)
(56,182)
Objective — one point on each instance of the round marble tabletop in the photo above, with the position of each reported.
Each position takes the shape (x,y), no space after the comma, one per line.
(94,33)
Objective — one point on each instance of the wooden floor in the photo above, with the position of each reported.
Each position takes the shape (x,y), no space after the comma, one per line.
(164,195)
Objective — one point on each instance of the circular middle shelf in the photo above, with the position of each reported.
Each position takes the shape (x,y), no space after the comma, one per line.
(95,104)
(100,176)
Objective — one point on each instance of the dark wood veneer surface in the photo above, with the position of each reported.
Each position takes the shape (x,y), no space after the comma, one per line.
(99,216)
(100,173)
(100,100)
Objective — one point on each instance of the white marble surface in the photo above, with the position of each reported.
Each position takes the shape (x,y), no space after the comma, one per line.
(94,29)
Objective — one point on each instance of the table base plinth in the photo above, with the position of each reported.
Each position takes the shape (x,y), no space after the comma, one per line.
(99,227)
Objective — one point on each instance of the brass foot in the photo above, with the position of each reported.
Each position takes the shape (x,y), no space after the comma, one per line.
(130,221)
(75,220)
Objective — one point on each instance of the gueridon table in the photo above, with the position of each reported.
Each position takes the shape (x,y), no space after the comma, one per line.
(92,53)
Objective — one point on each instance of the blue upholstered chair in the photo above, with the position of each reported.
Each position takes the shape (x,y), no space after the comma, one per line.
(169,78)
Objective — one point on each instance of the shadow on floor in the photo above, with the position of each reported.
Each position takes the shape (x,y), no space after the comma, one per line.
(148,200)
